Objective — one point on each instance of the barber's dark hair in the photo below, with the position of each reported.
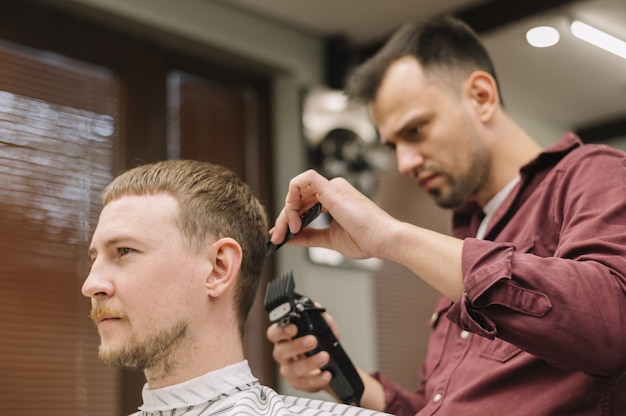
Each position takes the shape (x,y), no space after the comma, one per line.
(443,44)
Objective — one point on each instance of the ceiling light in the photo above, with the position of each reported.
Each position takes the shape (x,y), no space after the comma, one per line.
(542,36)
(598,38)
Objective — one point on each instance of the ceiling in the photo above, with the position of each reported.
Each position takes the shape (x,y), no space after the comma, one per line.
(573,84)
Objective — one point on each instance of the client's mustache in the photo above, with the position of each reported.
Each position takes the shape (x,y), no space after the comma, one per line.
(101,311)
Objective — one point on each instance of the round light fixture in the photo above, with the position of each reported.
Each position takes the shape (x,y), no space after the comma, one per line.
(542,36)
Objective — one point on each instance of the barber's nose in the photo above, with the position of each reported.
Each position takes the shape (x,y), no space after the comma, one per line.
(409,158)
(97,283)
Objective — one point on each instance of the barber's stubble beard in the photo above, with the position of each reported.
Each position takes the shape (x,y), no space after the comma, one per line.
(465,186)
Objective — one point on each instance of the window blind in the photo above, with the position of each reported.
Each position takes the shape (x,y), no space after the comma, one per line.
(58,141)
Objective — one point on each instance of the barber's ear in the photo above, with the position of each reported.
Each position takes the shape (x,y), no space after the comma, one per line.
(482,90)
(226,256)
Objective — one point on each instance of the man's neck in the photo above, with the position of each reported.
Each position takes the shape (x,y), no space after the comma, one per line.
(511,149)
(194,360)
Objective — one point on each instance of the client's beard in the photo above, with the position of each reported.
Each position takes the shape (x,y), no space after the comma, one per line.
(152,352)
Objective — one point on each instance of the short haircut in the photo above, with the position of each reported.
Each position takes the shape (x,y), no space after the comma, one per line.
(214,203)
(445,44)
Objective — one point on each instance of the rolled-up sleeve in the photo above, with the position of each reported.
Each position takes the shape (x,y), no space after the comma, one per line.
(399,401)
(570,312)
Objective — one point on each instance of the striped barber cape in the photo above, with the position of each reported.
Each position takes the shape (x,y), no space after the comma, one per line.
(231,391)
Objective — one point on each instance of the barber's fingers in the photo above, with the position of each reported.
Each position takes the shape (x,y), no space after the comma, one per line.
(280,228)
(289,351)
(305,374)
(303,192)
(304,187)
(283,224)
(301,371)
(276,333)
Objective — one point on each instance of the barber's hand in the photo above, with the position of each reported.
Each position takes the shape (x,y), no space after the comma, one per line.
(302,372)
(359,226)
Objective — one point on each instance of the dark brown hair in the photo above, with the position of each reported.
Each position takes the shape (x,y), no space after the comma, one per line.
(445,44)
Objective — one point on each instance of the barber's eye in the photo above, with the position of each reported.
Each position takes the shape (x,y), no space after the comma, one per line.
(413,132)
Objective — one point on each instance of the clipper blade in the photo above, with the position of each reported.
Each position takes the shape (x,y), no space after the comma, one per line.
(279,296)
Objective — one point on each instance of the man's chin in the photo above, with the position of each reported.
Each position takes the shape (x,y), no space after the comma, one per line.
(445,199)
(126,351)
(119,357)
(440,198)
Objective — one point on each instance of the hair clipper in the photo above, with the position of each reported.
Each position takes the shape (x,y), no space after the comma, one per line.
(286,306)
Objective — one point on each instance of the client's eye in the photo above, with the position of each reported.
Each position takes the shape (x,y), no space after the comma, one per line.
(124,250)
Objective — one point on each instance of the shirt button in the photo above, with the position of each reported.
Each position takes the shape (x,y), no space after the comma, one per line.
(465,335)
(434,317)
(437,397)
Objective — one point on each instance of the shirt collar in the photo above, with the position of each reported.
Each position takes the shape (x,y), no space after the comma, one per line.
(467,217)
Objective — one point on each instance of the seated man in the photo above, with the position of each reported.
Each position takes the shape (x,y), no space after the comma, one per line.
(176,260)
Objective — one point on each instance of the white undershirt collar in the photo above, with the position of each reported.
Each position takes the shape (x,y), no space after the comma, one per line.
(492,205)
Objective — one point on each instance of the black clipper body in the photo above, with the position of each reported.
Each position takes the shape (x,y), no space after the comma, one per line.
(286,306)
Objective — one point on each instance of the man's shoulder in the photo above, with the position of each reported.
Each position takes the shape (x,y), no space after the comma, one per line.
(262,400)
(306,406)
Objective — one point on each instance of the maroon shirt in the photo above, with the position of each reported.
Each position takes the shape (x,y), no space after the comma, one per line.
(541,327)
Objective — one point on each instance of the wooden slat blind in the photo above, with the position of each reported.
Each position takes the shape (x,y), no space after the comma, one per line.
(58,141)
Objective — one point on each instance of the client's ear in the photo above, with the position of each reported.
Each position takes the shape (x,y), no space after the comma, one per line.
(226,255)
